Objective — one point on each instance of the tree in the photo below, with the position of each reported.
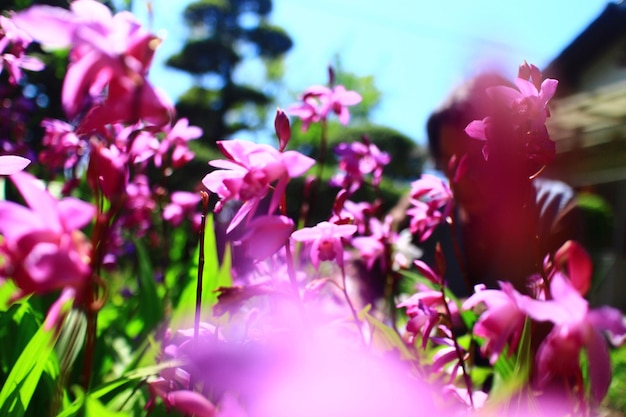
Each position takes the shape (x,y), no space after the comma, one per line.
(223,34)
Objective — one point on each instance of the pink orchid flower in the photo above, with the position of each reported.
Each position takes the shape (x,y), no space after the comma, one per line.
(575,327)
(373,247)
(183,204)
(429,195)
(326,241)
(13,44)
(318,101)
(248,173)
(503,321)
(43,249)
(521,116)
(358,159)
(62,147)
(111,53)
(174,148)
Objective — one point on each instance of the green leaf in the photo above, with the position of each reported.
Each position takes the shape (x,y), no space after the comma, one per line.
(213,277)
(384,337)
(24,377)
(94,408)
(151,304)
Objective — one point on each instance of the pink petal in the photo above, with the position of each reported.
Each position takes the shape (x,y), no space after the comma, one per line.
(75,213)
(527,88)
(599,365)
(10,164)
(476,130)
(265,235)
(51,26)
(190,402)
(38,199)
(17,220)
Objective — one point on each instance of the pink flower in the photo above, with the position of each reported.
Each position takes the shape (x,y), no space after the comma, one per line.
(43,249)
(503,321)
(107,172)
(423,311)
(248,173)
(325,239)
(110,53)
(518,124)
(183,204)
(282,128)
(174,150)
(373,247)
(575,327)
(13,44)
(318,101)
(139,205)
(62,147)
(429,195)
(358,159)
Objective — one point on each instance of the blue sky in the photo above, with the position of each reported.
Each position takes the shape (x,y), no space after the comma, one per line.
(417,50)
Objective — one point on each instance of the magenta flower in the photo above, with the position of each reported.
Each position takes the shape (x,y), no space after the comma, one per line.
(318,101)
(282,128)
(62,147)
(429,195)
(248,173)
(13,44)
(42,246)
(374,246)
(107,172)
(183,204)
(425,310)
(325,239)
(173,150)
(503,321)
(518,124)
(575,327)
(358,159)
(109,54)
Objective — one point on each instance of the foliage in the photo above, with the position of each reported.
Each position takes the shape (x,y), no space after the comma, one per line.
(287,290)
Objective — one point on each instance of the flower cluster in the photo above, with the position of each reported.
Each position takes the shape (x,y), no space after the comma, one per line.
(290,316)
(518,122)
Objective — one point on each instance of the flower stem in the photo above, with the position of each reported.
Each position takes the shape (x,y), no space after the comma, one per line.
(196,323)
(457,348)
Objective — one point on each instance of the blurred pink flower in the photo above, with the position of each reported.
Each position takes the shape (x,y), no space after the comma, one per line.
(575,327)
(62,147)
(373,247)
(109,54)
(425,310)
(519,122)
(325,239)
(356,160)
(107,172)
(174,150)
(13,44)
(282,128)
(265,235)
(248,173)
(318,101)
(183,204)
(503,321)
(42,248)
(431,204)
